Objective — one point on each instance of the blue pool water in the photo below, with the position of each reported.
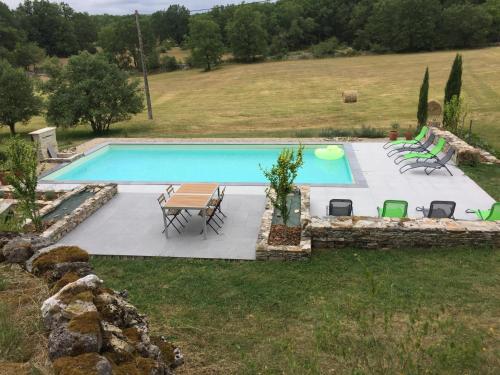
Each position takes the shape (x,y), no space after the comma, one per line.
(197,163)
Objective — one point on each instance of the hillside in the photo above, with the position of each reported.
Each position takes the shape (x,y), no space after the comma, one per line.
(282,98)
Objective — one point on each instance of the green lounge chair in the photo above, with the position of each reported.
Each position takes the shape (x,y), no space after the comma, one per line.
(392,208)
(493,214)
(423,155)
(420,136)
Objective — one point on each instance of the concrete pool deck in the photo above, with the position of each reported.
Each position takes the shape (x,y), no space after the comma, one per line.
(131,223)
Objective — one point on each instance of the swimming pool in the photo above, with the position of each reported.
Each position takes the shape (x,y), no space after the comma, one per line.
(177,163)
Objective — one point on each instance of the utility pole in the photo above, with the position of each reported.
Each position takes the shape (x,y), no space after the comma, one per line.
(144,69)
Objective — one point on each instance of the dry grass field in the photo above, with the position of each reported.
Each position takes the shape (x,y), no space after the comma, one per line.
(282,98)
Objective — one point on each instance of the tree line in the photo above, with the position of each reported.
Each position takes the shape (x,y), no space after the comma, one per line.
(249,31)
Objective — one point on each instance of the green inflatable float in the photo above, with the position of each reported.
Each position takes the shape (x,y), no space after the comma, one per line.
(332,152)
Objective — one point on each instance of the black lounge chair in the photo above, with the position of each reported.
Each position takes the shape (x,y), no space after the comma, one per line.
(430,166)
(439,210)
(419,147)
(169,215)
(340,207)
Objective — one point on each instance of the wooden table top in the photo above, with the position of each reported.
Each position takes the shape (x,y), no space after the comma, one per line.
(208,188)
(193,201)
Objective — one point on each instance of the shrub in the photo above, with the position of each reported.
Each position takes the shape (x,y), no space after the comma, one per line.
(326,48)
(364,132)
(22,163)
(169,64)
(455,113)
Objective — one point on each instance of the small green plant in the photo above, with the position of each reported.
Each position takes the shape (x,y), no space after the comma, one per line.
(394,126)
(3,284)
(22,163)
(281,177)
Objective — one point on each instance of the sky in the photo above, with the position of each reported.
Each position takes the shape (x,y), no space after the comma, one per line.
(128,6)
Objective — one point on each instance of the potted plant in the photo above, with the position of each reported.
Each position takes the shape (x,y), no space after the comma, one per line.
(409,133)
(394,133)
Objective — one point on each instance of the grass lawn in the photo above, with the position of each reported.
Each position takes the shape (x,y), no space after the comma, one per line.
(286,98)
(486,176)
(344,312)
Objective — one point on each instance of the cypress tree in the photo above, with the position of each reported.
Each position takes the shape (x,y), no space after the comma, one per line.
(454,84)
(422,100)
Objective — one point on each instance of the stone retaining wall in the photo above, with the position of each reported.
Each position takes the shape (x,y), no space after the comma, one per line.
(465,153)
(264,251)
(383,233)
(103,194)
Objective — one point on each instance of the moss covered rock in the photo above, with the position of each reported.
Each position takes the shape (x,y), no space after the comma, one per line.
(83,334)
(46,260)
(84,364)
(67,278)
(73,299)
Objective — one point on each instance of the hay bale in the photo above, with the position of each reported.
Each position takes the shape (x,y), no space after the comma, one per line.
(350,96)
(434,108)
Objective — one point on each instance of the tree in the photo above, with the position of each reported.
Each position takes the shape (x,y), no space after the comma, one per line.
(49,25)
(423,99)
(90,90)
(465,25)
(22,163)
(454,84)
(404,25)
(246,34)
(281,177)
(27,54)
(85,28)
(172,23)
(18,101)
(205,41)
(119,39)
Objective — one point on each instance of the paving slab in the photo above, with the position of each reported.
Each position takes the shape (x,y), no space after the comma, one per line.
(131,225)
(385,182)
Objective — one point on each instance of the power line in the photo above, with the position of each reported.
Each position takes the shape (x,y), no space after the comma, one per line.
(206,10)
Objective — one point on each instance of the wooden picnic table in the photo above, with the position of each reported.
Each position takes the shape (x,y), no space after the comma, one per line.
(193,197)
(205,188)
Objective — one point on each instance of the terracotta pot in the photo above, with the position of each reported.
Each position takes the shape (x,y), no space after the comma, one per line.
(409,136)
(393,135)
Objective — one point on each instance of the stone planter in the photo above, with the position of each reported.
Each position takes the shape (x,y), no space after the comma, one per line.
(64,225)
(264,251)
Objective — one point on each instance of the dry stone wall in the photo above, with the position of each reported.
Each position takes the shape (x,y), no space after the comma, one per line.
(92,329)
(383,233)
(465,153)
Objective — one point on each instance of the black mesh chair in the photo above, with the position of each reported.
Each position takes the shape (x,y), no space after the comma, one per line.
(340,207)
(439,210)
